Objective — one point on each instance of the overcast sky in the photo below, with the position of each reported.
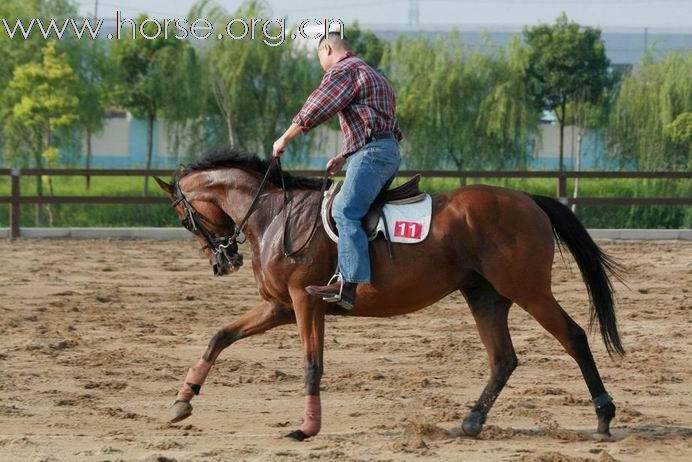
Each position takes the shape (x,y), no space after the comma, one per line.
(675,14)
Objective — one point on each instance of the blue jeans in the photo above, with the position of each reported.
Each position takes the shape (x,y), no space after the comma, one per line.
(367,171)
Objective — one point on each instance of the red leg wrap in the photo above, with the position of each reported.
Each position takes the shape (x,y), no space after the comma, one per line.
(195,378)
(313,416)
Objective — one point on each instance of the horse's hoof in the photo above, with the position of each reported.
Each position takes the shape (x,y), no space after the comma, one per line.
(473,424)
(298,435)
(602,437)
(181,410)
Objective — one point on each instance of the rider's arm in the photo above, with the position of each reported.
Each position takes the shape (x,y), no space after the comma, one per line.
(335,92)
(292,131)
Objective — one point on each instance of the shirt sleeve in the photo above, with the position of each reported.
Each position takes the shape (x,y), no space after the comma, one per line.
(335,92)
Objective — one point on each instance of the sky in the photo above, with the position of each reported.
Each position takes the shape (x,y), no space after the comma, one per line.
(661,14)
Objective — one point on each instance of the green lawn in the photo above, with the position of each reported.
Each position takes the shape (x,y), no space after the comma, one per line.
(162,215)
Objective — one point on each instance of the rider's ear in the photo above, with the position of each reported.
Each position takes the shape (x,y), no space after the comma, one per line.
(168,189)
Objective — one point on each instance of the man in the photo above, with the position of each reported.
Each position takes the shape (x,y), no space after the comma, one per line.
(365,103)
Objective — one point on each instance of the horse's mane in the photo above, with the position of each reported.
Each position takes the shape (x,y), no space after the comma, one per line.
(225,157)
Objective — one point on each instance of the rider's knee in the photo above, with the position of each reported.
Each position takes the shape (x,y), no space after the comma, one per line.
(340,211)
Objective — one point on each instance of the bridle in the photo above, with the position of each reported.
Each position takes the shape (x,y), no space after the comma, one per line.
(224,249)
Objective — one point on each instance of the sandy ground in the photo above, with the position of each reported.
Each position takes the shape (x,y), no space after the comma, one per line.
(95,337)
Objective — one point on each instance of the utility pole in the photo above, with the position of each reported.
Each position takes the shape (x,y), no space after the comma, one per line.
(413,13)
(96,10)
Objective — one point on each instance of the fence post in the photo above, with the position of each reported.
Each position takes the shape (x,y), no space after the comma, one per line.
(14,206)
(562,188)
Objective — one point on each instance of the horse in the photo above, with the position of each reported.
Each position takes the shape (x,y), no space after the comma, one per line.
(494,245)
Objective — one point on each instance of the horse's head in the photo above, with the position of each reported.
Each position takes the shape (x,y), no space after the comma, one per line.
(214,229)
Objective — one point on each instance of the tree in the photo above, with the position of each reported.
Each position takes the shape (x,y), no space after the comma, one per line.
(366,45)
(461,107)
(153,77)
(648,123)
(43,99)
(17,51)
(680,130)
(257,88)
(567,64)
(91,64)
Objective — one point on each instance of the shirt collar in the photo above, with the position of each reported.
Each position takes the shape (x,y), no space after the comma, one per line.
(347,55)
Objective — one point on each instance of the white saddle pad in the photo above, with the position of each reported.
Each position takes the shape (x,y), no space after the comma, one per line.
(407,223)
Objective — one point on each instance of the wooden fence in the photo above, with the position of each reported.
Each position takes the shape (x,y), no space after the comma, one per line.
(16,199)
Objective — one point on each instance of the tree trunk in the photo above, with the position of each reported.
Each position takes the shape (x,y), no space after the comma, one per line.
(577,168)
(150,149)
(51,191)
(39,189)
(460,167)
(561,121)
(88,157)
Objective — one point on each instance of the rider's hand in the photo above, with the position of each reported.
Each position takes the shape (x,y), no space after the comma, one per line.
(279,147)
(334,165)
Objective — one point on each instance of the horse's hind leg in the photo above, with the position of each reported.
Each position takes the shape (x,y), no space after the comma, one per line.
(555,320)
(490,311)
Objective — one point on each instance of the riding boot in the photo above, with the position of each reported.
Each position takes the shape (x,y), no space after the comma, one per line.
(339,292)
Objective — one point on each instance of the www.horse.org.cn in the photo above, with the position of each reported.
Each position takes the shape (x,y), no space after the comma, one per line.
(272,32)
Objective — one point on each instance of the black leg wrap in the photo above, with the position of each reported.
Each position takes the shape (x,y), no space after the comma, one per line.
(298,435)
(605,410)
(601,400)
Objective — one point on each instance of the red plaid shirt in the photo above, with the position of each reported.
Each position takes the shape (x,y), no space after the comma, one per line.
(360,95)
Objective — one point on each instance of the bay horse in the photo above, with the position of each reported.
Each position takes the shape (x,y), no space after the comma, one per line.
(494,245)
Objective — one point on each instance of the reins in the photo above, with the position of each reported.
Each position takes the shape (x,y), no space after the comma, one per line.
(287,213)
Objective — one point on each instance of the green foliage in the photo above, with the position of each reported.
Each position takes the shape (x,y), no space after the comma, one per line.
(567,64)
(151,74)
(42,99)
(155,80)
(680,130)
(648,126)
(366,45)
(461,107)
(257,88)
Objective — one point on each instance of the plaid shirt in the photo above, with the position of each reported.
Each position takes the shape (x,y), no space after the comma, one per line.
(360,95)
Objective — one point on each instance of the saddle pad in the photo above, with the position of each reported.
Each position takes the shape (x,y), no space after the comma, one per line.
(407,223)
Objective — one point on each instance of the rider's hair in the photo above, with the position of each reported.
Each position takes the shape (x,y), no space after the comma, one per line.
(335,40)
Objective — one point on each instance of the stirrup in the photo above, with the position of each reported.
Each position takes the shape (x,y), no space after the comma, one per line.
(336,298)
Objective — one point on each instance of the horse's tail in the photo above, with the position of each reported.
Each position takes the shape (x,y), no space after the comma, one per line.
(595,266)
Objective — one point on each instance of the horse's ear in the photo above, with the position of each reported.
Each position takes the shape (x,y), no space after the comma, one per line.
(168,189)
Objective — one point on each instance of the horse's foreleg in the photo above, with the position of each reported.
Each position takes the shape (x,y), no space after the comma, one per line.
(490,311)
(260,319)
(310,320)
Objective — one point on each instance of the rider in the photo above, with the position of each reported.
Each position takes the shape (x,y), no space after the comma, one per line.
(365,103)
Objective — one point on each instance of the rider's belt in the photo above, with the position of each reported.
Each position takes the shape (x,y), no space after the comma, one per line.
(374,137)
(381,136)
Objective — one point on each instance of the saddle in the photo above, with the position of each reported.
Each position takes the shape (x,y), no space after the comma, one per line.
(407,193)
